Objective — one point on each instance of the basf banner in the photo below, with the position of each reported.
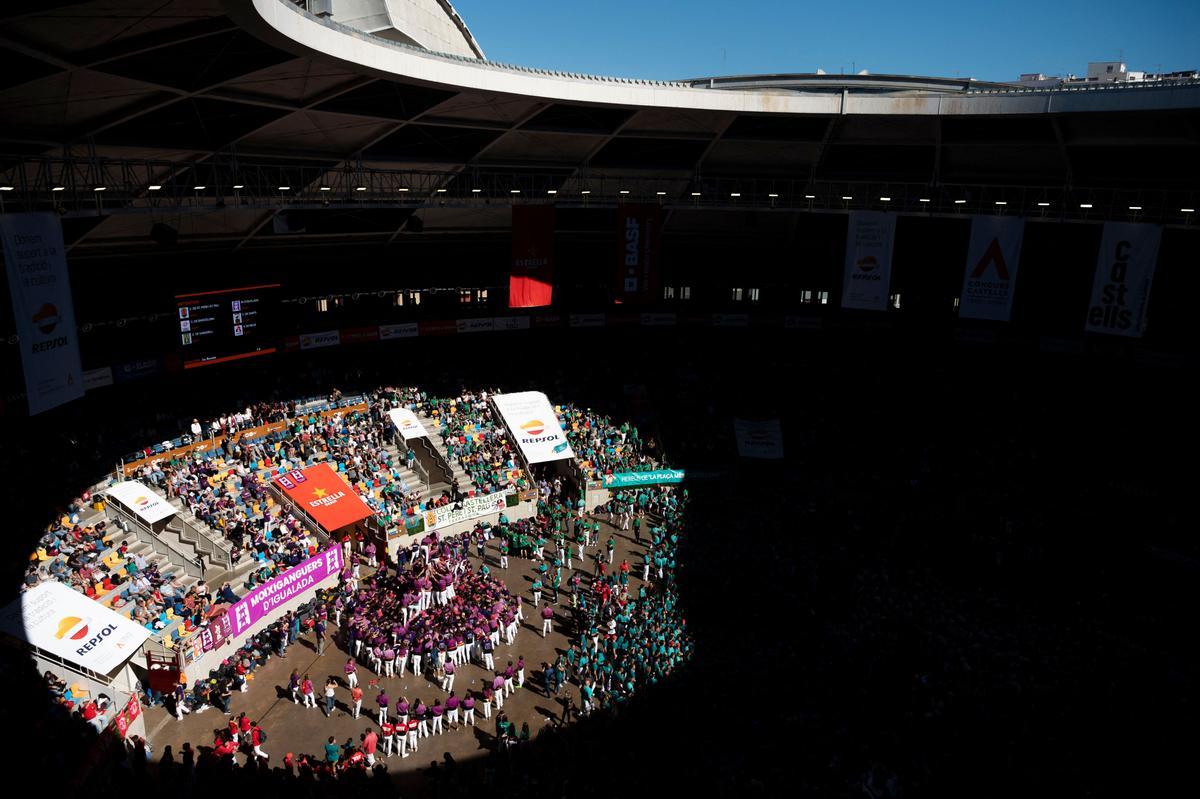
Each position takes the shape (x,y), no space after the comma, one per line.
(36,262)
(1124,271)
(325,496)
(148,506)
(531,280)
(534,425)
(407,424)
(869,239)
(991,273)
(638,233)
(759,439)
(290,585)
(77,629)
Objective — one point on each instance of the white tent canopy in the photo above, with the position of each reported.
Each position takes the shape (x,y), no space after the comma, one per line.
(148,506)
(407,423)
(534,425)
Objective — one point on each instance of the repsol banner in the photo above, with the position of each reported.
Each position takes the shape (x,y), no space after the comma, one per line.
(531,278)
(1124,272)
(991,273)
(869,239)
(639,230)
(36,262)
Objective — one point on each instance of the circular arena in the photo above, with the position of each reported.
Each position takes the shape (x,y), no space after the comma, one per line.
(382,418)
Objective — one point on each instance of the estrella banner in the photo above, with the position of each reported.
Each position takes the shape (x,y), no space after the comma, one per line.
(991,271)
(288,586)
(869,239)
(531,279)
(324,495)
(43,309)
(632,479)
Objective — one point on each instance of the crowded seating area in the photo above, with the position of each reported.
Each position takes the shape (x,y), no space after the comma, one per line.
(601,446)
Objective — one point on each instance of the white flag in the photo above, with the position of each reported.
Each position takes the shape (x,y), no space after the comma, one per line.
(869,238)
(991,274)
(1124,272)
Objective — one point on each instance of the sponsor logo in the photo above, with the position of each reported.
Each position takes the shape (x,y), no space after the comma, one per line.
(46,319)
(534,427)
(561,447)
(867,263)
(324,498)
(992,255)
(71,627)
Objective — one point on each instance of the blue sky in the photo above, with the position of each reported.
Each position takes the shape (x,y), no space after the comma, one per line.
(983,39)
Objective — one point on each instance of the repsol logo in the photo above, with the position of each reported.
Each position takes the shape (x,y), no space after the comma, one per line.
(539,439)
(860,276)
(95,640)
(50,344)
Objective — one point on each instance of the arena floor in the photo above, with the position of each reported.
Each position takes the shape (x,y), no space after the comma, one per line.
(294,728)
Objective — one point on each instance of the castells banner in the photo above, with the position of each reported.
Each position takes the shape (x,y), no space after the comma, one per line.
(534,426)
(631,479)
(466,510)
(324,495)
(43,310)
(1124,272)
(869,238)
(290,585)
(148,506)
(77,629)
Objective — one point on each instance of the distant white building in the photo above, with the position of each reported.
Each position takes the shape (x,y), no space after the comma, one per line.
(1100,72)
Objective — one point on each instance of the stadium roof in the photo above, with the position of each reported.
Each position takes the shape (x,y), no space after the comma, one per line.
(261,104)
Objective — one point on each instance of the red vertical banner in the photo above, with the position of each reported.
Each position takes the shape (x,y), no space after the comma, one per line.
(639,231)
(531,279)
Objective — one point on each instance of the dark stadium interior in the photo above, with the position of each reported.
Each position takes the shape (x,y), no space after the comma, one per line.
(972,574)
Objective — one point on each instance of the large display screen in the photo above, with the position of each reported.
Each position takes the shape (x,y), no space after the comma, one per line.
(226,325)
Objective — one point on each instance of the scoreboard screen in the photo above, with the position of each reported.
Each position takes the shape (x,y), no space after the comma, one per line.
(225,325)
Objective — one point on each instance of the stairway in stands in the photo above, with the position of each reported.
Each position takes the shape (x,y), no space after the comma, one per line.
(411,478)
(434,428)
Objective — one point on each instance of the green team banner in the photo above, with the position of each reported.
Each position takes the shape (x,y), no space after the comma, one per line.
(656,477)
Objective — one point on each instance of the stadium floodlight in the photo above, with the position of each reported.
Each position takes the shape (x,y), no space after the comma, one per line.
(200,188)
(514,191)
(1135,208)
(64,188)
(441,191)
(326,188)
(735,194)
(476,191)
(155,187)
(885,199)
(1043,205)
(661,193)
(773,195)
(360,188)
(100,188)
(959,202)
(586,191)
(810,196)
(1001,202)
(924,200)
(402,188)
(552,191)
(623,191)
(1085,205)
(1188,210)
(695,194)
(847,197)
(235,185)
(285,188)
(6,188)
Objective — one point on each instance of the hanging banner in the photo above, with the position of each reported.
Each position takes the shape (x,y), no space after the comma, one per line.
(36,262)
(1124,272)
(759,439)
(639,230)
(534,425)
(531,280)
(991,272)
(290,585)
(869,239)
(407,424)
(467,509)
(64,622)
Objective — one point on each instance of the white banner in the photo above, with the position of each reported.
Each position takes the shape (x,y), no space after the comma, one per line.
(586,320)
(66,623)
(97,378)
(991,272)
(43,310)
(311,341)
(148,506)
(485,325)
(407,423)
(512,322)
(657,320)
(1124,272)
(389,332)
(471,508)
(534,425)
(869,239)
(759,439)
